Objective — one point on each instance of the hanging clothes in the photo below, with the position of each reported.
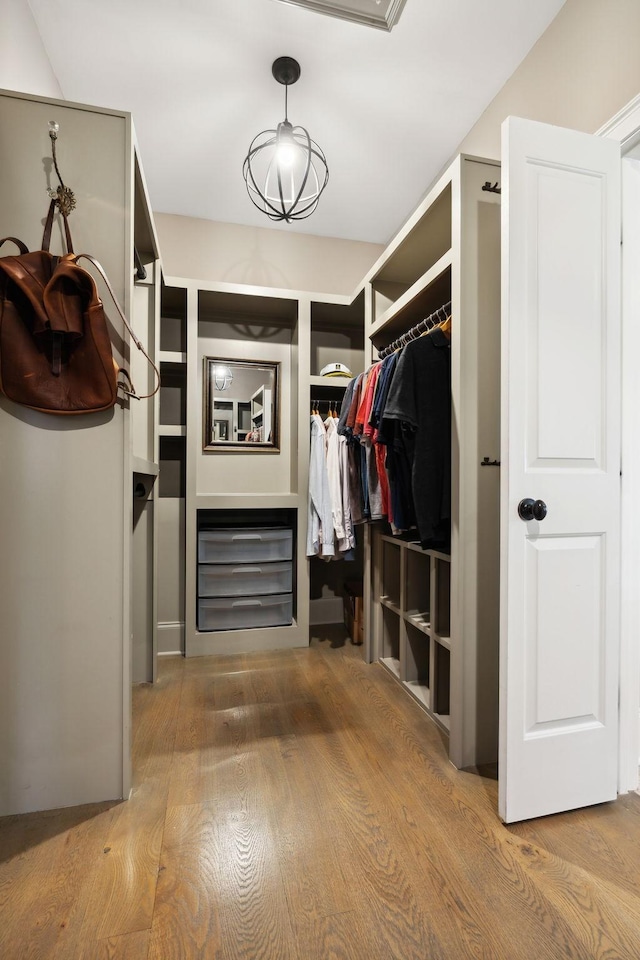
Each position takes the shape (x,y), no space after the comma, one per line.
(371,431)
(418,412)
(373,504)
(320,534)
(336,469)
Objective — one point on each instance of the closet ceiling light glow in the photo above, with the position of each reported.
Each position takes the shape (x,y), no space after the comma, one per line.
(383,14)
(222,376)
(285,170)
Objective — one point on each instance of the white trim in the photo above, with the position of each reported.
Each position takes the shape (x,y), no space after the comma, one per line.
(630,532)
(625,128)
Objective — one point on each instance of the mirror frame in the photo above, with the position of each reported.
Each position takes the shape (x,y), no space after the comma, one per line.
(209,417)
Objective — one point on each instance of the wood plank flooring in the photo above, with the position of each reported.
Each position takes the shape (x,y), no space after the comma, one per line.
(297,805)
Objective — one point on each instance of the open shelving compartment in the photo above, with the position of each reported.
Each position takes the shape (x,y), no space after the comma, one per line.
(414,597)
(420,254)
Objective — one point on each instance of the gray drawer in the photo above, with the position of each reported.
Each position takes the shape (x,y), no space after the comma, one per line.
(244,580)
(245,545)
(244,613)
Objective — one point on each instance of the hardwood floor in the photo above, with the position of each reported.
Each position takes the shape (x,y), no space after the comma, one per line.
(298,806)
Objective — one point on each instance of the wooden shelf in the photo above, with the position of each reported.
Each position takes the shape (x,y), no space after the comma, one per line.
(333,383)
(172,356)
(443,720)
(145,467)
(425,295)
(418,691)
(443,641)
(392,665)
(390,605)
(172,430)
(419,621)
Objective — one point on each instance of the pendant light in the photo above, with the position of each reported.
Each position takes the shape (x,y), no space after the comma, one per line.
(285,170)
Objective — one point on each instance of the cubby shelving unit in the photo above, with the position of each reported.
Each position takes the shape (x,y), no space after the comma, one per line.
(414,600)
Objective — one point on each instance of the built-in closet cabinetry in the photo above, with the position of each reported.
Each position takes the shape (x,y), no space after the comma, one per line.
(172,433)
(337,336)
(225,488)
(77,601)
(433,617)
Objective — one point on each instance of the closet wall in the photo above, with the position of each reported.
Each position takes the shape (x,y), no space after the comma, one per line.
(580,73)
(67,488)
(210,252)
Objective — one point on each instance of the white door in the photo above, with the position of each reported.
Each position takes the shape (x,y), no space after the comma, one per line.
(560,605)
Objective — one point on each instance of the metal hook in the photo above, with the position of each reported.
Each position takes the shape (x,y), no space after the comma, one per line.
(64,197)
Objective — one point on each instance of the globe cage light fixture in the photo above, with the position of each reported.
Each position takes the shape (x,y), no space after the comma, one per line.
(285,170)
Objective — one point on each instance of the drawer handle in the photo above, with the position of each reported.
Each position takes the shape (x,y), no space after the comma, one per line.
(247,603)
(247,536)
(242,570)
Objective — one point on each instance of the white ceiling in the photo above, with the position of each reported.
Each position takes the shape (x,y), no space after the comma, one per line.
(388,109)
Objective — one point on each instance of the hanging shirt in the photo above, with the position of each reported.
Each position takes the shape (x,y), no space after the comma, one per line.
(420,401)
(335,482)
(320,536)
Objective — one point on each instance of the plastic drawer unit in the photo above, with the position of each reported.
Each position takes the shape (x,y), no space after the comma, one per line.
(245,545)
(245,578)
(244,613)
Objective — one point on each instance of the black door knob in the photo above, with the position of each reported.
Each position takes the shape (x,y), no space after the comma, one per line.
(532,509)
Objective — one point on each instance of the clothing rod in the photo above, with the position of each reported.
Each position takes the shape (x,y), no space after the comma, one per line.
(438,316)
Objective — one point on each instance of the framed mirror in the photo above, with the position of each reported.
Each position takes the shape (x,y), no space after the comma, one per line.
(241,404)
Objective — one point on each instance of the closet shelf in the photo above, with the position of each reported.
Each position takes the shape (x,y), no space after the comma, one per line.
(420,621)
(335,383)
(172,430)
(443,641)
(437,554)
(412,305)
(172,356)
(244,501)
(442,719)
(392,665)
(418,691)
(146,467)
(390,605)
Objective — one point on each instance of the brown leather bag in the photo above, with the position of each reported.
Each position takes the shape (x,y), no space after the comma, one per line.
(55,349)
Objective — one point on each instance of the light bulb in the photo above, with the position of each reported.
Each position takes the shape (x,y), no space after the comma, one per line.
(285,154)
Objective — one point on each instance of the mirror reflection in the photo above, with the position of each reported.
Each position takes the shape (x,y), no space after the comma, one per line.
(241,404)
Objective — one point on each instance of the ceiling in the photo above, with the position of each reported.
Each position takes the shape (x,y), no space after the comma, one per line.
(388,108)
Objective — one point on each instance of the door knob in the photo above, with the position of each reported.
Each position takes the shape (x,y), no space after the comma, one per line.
(532,509)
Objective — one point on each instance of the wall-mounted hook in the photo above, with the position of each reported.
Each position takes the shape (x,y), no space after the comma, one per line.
(64,197)
(488,188)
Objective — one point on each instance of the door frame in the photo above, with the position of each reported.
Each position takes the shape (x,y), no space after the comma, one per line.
(625,128)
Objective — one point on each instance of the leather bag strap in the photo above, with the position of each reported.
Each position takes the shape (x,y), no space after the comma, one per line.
(48,226)
(22,247)
(138,343)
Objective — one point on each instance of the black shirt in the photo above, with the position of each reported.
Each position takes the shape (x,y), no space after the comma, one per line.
(420,397)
